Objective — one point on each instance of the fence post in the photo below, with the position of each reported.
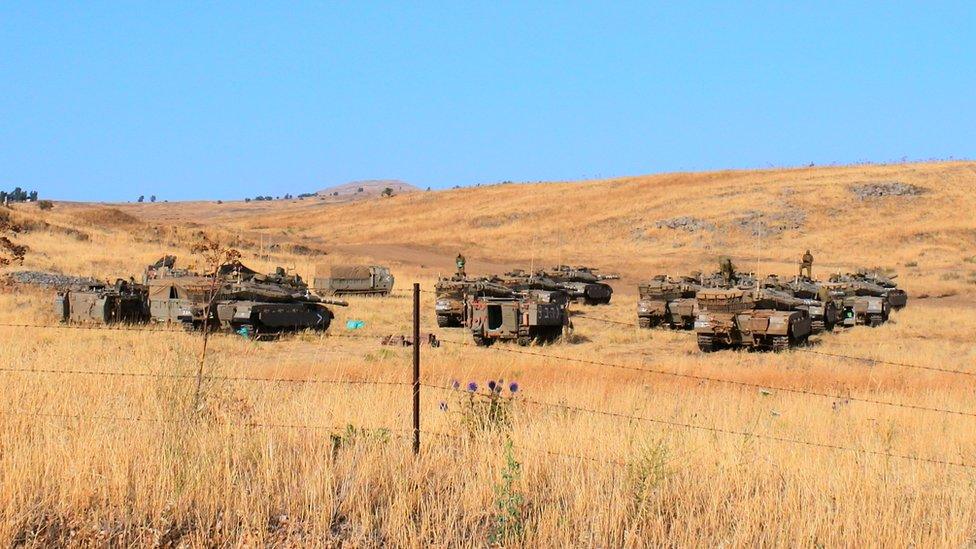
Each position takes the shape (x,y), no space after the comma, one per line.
(416,368)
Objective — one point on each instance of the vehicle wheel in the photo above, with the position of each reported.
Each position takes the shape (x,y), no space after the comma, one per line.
(706,343)
(524,341)
(480,341)
(644,322)
(817,326)
(443,321)
(875,320)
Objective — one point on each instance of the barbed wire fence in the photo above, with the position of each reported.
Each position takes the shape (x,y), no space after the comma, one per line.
(413,434)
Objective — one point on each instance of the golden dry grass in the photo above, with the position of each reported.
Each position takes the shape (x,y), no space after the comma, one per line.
(167,475)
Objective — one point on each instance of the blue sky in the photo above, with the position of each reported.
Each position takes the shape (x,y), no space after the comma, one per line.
(187,100)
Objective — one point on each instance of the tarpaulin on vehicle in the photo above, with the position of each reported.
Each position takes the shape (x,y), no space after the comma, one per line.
(350,271)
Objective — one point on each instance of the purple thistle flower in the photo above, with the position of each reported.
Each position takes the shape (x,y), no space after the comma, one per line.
(492,385)
(443,406)
(455,384)
(472,386)
(513,387)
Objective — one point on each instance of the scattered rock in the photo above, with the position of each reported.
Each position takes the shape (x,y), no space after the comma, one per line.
(50,280)
(768,224)
(886,188)
(685,223)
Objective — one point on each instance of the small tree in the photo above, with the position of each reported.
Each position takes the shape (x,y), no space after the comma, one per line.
(213,255)
(152,198)
(45,204)
(359,190)
(387,192)
(32,196)
(142,198)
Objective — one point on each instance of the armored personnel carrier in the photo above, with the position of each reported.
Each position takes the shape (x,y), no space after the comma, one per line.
(524,316)
(728,318)
(123,302)
(242,300)
(355,279)
(669,302)
(580,283)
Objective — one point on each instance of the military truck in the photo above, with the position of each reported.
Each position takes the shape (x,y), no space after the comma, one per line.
(668,302)
(728,318)
(123,302)
(240,299)
(582,284)
(354,280)
(520,316)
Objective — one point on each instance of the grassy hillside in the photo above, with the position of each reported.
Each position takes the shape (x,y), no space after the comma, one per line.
(635,445)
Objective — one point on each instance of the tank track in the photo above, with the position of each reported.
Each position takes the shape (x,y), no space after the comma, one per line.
(706,343)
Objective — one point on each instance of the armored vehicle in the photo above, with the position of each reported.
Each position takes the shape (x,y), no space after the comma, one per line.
(728,318)
(542,287)
(801,293)
(897,297)
(242,300)
(522,317)
(125,302)
(449,300)
(669,302)
(355,279)
(581,283)
(864,303)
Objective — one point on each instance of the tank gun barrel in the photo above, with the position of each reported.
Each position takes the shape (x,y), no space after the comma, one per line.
(336,302)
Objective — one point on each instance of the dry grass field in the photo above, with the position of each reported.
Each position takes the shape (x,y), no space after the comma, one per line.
(617,437)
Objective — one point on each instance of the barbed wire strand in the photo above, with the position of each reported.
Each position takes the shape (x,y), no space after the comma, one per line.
(733,432)
(739,383)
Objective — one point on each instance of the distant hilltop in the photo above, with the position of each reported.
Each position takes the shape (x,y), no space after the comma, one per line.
(370,187)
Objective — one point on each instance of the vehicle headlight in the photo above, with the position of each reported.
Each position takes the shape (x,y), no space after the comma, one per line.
(442,305)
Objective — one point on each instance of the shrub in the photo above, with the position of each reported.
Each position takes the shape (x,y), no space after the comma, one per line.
(45,204)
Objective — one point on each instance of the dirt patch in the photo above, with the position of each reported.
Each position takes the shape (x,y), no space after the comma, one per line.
(884,189)
(107,217)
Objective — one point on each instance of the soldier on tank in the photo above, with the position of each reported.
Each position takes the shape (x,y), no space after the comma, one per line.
(459,262)
(728,270)
(807,265)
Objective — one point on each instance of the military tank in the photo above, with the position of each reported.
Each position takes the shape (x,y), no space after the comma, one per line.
(582,284)
(449,301)
(497,313)
(864,302)
(897,297)
(800,294)
(729,318)
(122,302)
(240,299)
(668,302)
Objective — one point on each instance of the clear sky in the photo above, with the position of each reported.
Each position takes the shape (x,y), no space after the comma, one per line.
(185,100)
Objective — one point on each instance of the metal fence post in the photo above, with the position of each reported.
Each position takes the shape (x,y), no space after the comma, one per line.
(416,368)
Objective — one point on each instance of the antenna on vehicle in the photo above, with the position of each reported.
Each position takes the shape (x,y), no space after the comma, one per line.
(758,245)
